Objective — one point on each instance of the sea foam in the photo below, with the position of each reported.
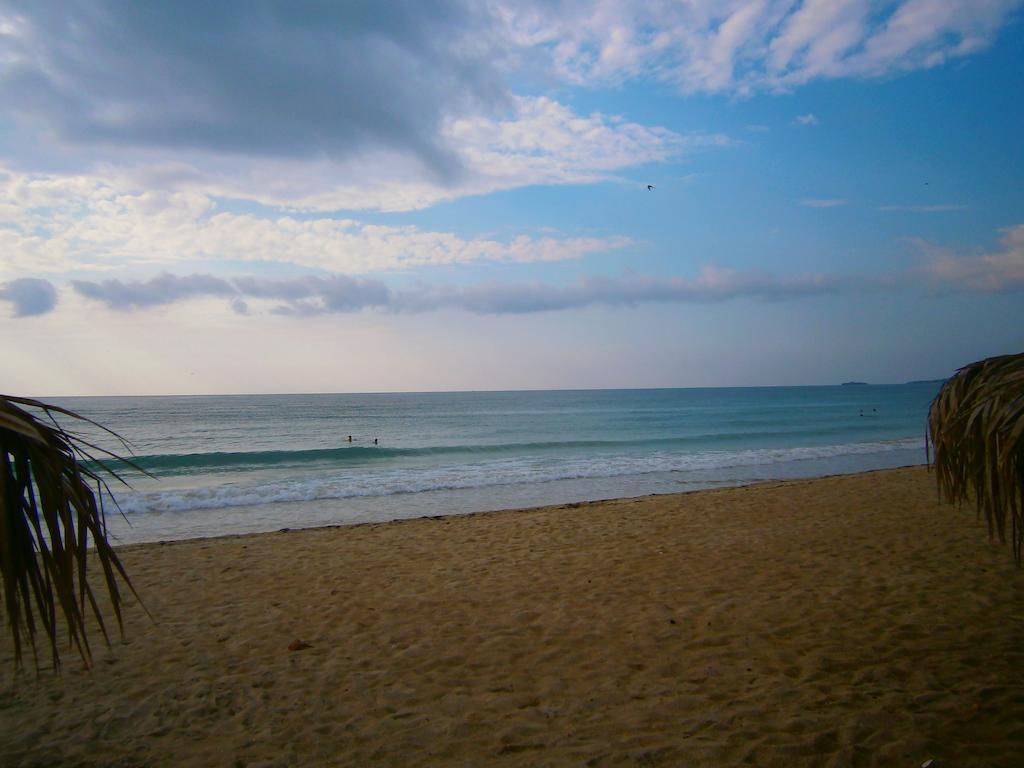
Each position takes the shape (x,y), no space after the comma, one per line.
(341,482)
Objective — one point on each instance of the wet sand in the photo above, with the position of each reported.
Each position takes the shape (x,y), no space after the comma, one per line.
(841,621)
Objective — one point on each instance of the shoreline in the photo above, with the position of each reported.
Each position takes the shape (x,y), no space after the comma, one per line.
(508,509)
(802,622)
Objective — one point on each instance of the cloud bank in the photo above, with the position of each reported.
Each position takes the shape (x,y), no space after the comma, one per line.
(29,296)
(314,295)
(999,272)
(262,79)
(164,289)
(314,107)
(352,106)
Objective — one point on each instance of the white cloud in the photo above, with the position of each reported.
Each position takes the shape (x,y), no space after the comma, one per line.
(549,143)
(940,208)
(540,142)
(808,119)
(811,42)
(52,224)
(998,272)
(819,202)
(743,46)
(926,33)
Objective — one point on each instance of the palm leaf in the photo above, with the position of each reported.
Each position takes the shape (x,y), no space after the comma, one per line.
(976,428)
(51,514)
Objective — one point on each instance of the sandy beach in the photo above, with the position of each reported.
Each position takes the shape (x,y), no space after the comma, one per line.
(848,620)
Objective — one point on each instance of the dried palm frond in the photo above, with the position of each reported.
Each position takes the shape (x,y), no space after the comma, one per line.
(51,512)
(976,426)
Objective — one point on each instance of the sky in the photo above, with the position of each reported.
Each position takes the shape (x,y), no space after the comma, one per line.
(250,197)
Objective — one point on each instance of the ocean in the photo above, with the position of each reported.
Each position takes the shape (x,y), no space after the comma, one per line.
(247,463)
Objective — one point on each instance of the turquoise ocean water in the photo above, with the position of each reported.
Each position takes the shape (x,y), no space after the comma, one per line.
(236,464)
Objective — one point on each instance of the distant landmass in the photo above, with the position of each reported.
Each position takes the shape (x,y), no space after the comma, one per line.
(916,381)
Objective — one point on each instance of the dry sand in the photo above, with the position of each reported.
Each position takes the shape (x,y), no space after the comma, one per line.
(842,621)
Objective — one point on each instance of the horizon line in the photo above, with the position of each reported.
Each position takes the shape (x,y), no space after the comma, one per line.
(498,391)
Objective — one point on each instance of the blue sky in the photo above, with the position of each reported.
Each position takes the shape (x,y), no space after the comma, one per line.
(272,197)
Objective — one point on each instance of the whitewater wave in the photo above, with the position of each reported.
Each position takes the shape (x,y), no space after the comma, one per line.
(339,483)
(171,464)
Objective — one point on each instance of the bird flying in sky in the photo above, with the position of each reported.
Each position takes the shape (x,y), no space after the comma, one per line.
(650,187)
